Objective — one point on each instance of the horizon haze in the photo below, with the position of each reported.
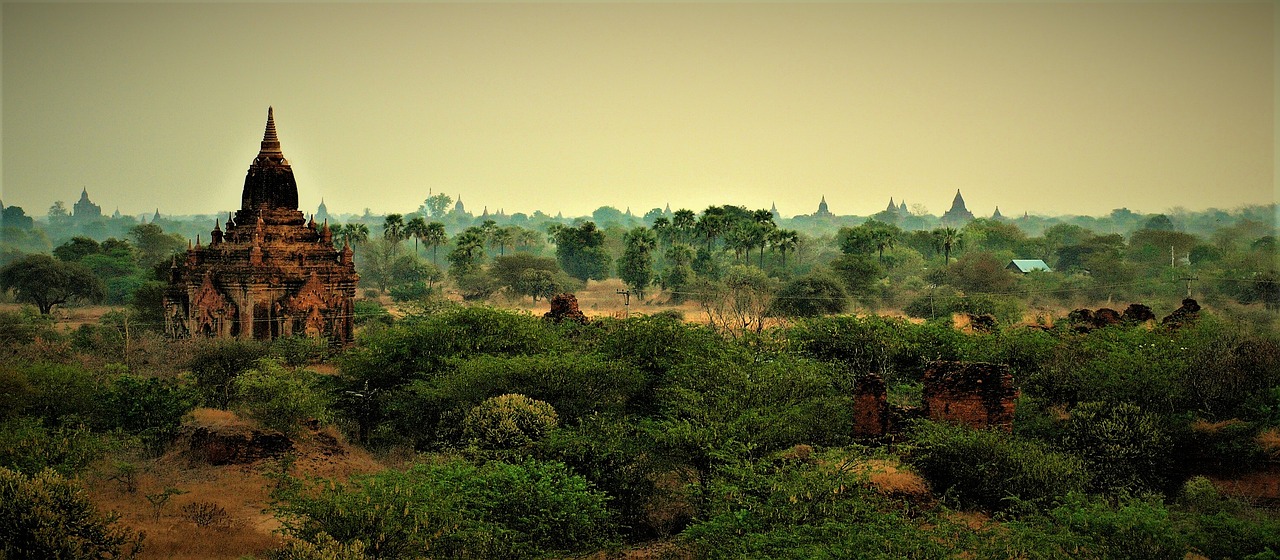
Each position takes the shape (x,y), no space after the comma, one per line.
(1032,107)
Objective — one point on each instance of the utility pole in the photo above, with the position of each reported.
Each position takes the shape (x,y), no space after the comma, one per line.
(626,303)
(1188,279)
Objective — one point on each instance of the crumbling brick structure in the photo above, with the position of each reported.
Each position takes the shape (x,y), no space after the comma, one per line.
(978,394)
(271,273)
(1188,313)
(870,407)
(564,307)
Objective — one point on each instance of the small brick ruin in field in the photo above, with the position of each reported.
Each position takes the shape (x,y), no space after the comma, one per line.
(1188,313)
(978,394)
(870,407)
(564,307)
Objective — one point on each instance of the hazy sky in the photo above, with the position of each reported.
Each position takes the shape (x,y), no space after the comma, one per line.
(1050,108)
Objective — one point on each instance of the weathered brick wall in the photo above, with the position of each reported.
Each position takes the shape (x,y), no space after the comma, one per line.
(870,407)
(564,307)
(977,394)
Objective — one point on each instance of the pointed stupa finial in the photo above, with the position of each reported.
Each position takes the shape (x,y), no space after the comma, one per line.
(270,142)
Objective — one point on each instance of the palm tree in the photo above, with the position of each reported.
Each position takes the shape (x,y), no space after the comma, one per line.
(416,228)
(881,238)
(435,237)
(683,221)
(393,230)
(947,238)
(784,240)
(353,233)
(501,237)
(765,227)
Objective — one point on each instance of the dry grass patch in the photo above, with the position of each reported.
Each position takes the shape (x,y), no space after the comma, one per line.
(1206,427)
(1269,441)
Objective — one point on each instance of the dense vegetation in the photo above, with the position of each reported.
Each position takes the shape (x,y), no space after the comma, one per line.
(538,439)
(729,438)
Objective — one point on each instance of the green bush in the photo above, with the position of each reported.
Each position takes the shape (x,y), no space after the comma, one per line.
(508,422)
(281,398)
(146,406)
(454,509)
(216,362)
(299,350)
(28,446)
(991,469)
(46,515)
(811,296)
(1126,449)
(431,410)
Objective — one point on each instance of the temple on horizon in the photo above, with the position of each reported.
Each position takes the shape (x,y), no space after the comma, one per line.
(271,273)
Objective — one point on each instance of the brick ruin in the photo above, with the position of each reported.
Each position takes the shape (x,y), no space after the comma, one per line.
(977,394)
(271,273)
(564,307)
(870,407)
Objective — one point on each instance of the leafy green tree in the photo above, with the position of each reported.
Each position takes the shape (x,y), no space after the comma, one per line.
(146,406)
(46,282)
(581,253)
(77,248)
(784,241)
(1128,450)
(216,362)
(351,234)
(438,205)
(813,295)
(978,271)
(154,246)
(859,272)
(528,275)
(456,510)
(740,302)
(46,515)
(636,266)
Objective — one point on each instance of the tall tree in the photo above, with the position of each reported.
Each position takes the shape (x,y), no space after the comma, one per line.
(784,240)
(46,282)
(416,228)
(947,238)
(435,236)
(684,221)
(636,266)
(580,251)
(438,204)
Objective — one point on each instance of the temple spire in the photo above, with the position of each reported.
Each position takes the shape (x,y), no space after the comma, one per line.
(270,142)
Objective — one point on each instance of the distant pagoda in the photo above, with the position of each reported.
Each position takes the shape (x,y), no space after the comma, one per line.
(958,214)
(271,273)
(823,212)
(84,209)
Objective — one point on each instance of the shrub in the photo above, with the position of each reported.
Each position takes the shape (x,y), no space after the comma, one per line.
(217,361)
(991,469)
(454,509)
(146,406)
(48,516)
(281,398)
(1127,449)
(369,311)
(508,422)
(27,446)
(299,350)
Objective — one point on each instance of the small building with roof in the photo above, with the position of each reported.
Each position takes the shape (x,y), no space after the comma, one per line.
(1028,265)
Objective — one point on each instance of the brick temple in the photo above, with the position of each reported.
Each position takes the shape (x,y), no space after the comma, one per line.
(271,273)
